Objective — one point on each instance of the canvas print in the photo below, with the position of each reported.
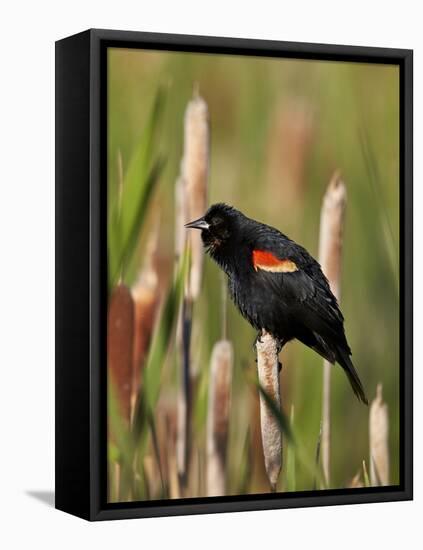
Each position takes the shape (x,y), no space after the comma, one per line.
(253,275)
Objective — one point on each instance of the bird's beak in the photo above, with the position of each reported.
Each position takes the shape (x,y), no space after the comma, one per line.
(198,224)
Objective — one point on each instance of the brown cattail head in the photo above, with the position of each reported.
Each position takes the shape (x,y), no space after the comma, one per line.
(221,367)
(330,253)
(191,202)
(120,337)
(258,475)
(289,145)
(181,216)
(195,173)
(378,434)
(331,231)
(268,373)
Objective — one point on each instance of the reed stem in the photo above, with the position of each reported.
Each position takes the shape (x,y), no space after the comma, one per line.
(221,367)
(268,374)
(330,254)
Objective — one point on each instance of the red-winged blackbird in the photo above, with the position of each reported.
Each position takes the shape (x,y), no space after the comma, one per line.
(277,286)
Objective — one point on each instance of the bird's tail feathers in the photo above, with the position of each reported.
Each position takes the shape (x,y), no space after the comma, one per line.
(344,360)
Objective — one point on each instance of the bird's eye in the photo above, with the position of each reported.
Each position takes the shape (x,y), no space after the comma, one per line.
(216,221)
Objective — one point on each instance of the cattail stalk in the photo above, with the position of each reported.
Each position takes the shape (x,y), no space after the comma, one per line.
(191,201)
(258,473)
(330,253)
(181,217)
(195,173)
(183,441)
(268,374)
(221,367)
(378,435)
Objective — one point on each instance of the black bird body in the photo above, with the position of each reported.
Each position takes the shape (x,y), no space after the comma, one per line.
(277,285)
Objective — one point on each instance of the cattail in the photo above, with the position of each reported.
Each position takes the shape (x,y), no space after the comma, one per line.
(258,474)
(146,296)
(195,173)
(181,217)
(183,442)
(268,374)
(289,146)
(191,201)
(331,231)
(221,366)
(330,252)
(120,338)
(378,435)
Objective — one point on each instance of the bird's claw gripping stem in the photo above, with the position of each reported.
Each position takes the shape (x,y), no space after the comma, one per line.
(280,345)
(257,339)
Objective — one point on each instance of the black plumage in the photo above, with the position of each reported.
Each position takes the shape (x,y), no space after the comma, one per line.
(277,285)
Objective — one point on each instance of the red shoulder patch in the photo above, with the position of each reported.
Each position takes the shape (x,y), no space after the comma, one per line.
(266,261)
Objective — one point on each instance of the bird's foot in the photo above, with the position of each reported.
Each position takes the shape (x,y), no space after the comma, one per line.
(279,365)
(279,345)
(257,339)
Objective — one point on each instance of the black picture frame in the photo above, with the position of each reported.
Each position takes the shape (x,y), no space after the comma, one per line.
(81,273)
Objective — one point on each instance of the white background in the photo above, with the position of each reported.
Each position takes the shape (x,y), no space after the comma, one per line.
(27,37)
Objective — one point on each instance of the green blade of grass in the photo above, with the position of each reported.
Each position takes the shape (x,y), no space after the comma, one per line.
(244,467)
(127,215)
(156,449)
(277,412)
(117,426)
(122,451)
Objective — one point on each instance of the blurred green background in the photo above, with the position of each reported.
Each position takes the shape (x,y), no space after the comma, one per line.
(279,129)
